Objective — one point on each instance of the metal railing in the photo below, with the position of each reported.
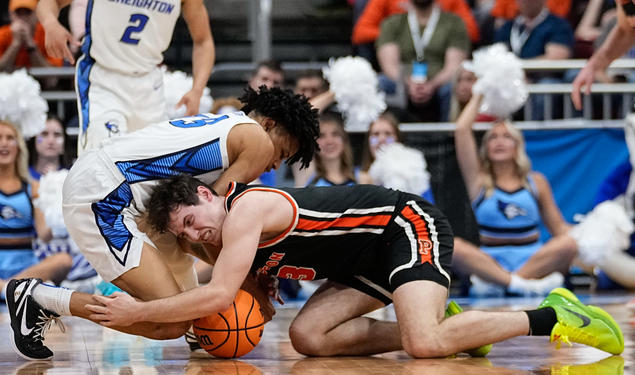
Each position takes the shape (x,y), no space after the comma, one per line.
(551,90)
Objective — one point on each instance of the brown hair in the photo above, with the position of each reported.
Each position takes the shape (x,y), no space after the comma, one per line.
(367,157)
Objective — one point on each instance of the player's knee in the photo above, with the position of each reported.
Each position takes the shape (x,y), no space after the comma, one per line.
(169,331)
(307,341)
(426,346)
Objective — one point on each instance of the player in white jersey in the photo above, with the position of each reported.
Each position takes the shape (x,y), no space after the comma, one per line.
(105,190)
(118,83)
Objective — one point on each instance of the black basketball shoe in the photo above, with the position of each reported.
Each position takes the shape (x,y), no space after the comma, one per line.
(29,320)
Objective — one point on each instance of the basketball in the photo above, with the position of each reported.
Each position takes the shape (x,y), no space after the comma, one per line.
(233,332)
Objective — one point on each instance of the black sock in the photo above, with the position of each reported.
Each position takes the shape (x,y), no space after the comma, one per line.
(541,321)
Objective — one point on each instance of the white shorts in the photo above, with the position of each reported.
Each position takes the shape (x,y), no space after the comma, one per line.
(112,104)
(100,217)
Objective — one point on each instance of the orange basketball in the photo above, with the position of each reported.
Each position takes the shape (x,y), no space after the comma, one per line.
(233,332)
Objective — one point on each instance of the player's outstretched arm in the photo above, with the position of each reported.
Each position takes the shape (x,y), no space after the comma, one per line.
(241,234)
(619,41)
(57,38)
(203,53)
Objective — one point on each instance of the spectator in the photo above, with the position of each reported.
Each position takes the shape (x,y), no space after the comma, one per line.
(46,150)
(268,73)
(537,34)
(20,221)
(461,95)
(510,202)
(366,29)
(441,45)
(47,155)
(310,83)
(22,41)
(385,130)
(509,9)
(597,15)
(333,164)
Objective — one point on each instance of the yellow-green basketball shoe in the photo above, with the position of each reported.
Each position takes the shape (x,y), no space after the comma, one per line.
(453,309)
(589,325)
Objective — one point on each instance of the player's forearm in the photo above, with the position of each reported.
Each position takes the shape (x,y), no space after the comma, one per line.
(616,44)
(203,56)
(48,11)
(192,304)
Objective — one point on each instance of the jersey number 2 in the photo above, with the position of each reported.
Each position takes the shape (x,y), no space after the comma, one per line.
(138,22)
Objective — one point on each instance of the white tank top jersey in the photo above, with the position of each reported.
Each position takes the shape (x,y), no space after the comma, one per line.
(129,36)
(194,145)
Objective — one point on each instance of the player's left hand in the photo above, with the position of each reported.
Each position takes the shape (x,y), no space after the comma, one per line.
(191,100)
(118,310)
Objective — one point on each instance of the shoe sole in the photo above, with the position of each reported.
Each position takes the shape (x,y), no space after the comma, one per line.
(594,309)
(11,314)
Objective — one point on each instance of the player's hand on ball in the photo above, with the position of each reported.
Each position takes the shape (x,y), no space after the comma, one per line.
(118,310)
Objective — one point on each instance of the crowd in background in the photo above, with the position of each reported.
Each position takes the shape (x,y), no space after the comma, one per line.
(417,48)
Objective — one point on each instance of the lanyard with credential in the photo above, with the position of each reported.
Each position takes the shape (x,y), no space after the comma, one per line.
(517,38)
(420,41)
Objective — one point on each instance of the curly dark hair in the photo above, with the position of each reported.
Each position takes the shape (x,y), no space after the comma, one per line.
(293,112)
(167,195)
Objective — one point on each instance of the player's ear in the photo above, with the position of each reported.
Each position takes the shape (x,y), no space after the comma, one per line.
(268,123)
(204,193)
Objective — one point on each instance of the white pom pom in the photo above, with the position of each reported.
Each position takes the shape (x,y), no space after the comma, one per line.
(354,83)
(176,84)
(402,168)
(21,103)
(501,80)
(606,229)
(49,200)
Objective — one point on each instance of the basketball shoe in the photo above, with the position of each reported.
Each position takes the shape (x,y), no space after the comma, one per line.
(29,320)
(453,309)
(589,325)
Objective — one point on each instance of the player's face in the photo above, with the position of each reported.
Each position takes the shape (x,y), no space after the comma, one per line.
(381,133)
(50,142)
(330,141)
(501,145)
(309,87)
(200,223)
(8,145)
(284,145)
(267,77)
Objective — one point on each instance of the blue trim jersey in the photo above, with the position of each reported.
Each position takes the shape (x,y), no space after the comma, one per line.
(129,36)
(508,217)
(16,221)
(105,191)
(16,216)
(367,237)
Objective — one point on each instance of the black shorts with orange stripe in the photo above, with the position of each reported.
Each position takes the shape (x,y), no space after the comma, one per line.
(419,245)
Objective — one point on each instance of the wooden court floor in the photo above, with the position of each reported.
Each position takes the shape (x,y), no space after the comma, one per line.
(86,348)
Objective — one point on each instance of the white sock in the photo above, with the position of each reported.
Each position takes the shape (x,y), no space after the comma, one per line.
(53,298)
(517,284)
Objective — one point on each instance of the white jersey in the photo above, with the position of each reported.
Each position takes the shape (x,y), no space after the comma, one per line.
(129,36)
(106,188)
(194,145)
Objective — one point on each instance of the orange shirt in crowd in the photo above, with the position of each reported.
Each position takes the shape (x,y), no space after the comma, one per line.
(508,9)
(367,28)
(22,59)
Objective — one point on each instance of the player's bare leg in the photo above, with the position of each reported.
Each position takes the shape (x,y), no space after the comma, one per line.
(420,307)
(331,323)
(152,279)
